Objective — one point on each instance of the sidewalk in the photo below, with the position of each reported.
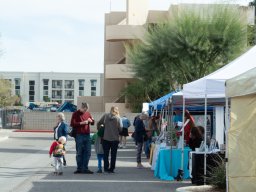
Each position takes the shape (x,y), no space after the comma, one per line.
(5,133)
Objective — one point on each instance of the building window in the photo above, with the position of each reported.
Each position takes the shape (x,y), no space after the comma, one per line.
(31,98)
(45,92)
(17,86)
(57,84)
(81,92)
(17,92)
(93,87)
(31,91)
(81,87)
(56,94)
(32,83)
(46,84)
(69,94)
(69,84)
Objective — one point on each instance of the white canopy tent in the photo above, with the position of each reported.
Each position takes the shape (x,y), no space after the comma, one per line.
(213,85)
(241,135)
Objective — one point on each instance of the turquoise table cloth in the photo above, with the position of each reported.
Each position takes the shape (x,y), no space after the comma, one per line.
(164,162)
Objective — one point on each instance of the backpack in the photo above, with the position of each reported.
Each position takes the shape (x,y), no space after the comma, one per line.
(59,150)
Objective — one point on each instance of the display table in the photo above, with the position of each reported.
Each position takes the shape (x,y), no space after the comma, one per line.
(163,163)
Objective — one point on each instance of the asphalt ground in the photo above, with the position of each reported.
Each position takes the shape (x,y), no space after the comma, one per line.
(25,166)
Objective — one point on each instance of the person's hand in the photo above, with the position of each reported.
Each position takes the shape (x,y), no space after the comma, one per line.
(90,120)
(84,122)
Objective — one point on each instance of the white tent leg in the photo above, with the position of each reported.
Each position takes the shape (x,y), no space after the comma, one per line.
(227,125)
(205,135)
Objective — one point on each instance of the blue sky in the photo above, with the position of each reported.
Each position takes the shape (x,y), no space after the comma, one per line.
(59,35)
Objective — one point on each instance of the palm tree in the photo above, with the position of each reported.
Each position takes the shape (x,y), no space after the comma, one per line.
(187,47)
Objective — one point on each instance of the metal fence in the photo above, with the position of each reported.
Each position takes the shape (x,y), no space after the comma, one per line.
(11,118)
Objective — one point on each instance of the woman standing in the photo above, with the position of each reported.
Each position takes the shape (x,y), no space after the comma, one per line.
(196,137)
(140,133)
(110,141)
(61,129)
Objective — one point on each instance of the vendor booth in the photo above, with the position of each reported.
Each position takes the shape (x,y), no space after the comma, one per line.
(211,88)
(213,85)
(241,169)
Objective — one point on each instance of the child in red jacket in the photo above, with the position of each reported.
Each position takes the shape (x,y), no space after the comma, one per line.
(58,150)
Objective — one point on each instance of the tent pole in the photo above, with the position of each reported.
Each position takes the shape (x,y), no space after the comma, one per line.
(182,138)
(170,131)
(205,135)
(226,135)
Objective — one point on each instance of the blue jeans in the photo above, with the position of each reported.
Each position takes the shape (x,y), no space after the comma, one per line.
(83,151)
(100,158)
(147,147)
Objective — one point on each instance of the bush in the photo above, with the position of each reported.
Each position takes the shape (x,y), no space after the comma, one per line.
(218,174)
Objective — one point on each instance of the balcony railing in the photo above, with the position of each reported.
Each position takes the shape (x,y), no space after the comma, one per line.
(69,97)
(56,97)
(57,87)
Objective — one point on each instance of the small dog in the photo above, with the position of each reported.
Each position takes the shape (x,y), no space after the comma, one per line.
(180,175)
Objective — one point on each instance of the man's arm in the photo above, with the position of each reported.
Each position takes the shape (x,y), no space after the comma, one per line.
(74,122)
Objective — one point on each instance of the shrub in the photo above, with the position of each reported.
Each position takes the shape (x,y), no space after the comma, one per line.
(217,174)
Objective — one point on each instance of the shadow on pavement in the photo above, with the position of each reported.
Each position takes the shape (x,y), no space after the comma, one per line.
(126,179)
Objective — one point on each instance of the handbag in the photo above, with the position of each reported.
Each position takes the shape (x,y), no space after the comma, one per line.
(72,132)
(101,129)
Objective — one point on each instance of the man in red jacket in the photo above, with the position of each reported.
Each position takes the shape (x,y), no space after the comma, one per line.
(81,121)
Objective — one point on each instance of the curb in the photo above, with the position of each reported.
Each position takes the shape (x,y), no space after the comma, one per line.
(194,188)
(35,131)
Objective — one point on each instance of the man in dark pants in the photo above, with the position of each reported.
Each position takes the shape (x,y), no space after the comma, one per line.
(81,121)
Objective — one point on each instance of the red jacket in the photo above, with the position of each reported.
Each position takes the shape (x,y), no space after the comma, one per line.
(187,129)
(78,117)
(57,152)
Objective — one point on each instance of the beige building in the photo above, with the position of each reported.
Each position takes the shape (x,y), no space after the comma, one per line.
(123,28)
